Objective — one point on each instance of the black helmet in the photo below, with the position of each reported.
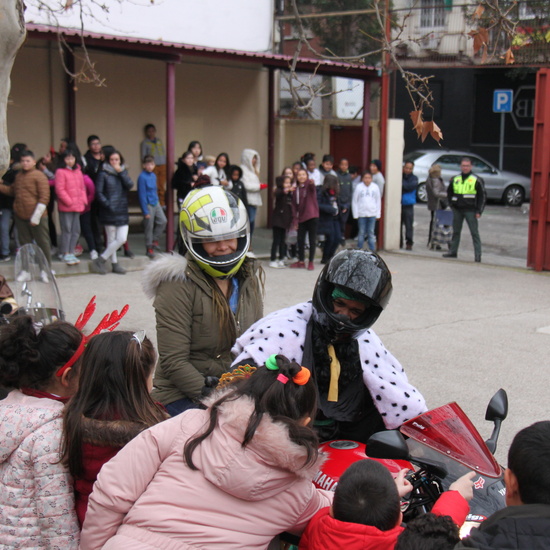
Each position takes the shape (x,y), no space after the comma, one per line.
(360,274)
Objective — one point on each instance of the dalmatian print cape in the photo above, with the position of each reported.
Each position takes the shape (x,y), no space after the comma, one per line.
(283,332)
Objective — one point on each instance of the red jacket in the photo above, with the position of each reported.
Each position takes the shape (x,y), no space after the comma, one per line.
(326,533)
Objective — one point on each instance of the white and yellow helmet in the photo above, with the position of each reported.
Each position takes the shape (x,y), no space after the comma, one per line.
(210,214)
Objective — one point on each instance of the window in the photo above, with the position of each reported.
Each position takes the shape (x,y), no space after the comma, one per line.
(432,13)
(479,166)
(449,162)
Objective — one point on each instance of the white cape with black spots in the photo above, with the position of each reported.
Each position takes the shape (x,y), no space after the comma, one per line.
(283,332)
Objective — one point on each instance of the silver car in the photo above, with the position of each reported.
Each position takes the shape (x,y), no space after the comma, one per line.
(509,188)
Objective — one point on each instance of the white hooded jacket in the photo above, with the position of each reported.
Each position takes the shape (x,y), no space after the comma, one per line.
(250,178)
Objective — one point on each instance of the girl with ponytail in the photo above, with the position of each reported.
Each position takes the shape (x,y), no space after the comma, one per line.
(232,475)
(36,491)
(111,406)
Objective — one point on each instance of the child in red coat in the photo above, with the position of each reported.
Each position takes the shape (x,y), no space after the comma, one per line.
(366,513)
(111,406)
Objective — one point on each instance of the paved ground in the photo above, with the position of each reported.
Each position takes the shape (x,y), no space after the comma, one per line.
(462,330)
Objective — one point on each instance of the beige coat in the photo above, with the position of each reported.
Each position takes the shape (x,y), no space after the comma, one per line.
(190,343)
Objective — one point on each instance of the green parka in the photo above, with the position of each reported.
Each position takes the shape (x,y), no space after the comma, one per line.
(190,343)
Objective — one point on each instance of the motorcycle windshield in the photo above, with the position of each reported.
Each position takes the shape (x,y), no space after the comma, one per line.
(448,431)
(35,288)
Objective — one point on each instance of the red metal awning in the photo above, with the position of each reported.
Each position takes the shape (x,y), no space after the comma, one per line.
(173,51)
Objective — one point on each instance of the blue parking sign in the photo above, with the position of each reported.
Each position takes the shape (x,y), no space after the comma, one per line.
(502,101)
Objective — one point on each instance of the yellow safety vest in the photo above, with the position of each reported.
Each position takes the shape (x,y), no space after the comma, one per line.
(466,187)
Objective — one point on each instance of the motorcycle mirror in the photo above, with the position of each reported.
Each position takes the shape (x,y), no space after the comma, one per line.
(497,410)
(498,406)
(389,444)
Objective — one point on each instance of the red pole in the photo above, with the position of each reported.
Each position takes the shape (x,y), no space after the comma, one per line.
(270,143)
(384,107)
(538,249)
(365,150)
(170,150)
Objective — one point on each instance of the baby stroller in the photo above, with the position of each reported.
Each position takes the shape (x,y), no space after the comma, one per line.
(442,231)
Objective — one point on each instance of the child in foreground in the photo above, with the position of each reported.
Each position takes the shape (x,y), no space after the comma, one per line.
(525,522)
(110,408)
(429,532)
(36,490)
(366,512)
(232,476)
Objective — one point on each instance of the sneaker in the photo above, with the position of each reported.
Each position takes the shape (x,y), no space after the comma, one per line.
(251,254)
(98,266)
(44,277)
(23,276)
(150,253)
(449,255)
(78,250)
(93,255)
(156,245)
(282,264)
(129,254)
(274,264)
(310,266)
(5,258)
(298,265)
(68,259)
(76,261)
(118,269)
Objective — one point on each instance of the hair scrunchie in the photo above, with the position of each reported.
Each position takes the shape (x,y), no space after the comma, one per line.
(302,377)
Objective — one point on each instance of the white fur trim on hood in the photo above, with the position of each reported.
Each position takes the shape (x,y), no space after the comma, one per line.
(283,332)
(168,267)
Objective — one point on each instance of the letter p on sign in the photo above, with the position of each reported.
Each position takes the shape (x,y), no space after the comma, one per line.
(502,101)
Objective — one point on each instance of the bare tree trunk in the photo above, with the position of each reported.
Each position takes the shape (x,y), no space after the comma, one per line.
(12,33)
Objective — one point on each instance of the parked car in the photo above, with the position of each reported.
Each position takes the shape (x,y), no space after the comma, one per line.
(500,185)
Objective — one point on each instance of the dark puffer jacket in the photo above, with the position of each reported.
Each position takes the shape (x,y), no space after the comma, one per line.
(112,194)
(524,527)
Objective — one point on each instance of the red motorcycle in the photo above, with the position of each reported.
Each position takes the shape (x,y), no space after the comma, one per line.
(438,447)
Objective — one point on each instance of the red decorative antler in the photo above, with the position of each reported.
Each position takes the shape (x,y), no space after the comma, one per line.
(110,322)
(84,317)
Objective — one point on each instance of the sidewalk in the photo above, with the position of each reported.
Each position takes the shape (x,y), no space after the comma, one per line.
(261,245)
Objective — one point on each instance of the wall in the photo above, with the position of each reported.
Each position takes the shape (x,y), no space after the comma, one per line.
(295,137)
(36,106)
(394,178)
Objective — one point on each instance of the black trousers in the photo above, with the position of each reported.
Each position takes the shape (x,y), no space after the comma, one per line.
(309,227)
(407,219)
(279,243)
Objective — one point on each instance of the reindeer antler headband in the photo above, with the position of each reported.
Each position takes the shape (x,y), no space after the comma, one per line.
(110,322)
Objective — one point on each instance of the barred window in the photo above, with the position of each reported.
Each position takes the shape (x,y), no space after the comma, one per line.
(432,13)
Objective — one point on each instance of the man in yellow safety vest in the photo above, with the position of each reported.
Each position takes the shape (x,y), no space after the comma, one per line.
(466,193)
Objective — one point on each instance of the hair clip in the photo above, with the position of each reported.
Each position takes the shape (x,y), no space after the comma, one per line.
(302,377)
(109,323)
(271,363)
(139,336)
(282,378)
(240,373)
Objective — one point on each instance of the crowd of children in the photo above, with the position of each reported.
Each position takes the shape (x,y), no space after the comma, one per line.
(313,203)
(90,194)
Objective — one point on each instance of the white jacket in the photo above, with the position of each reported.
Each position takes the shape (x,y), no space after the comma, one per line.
(36,490)
(250,178)
(366,202)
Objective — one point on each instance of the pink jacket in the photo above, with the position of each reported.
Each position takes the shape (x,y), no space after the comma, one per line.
(70,190)
(36,491)
(147,497)
(90,192)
